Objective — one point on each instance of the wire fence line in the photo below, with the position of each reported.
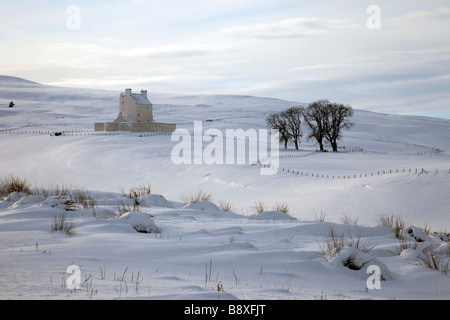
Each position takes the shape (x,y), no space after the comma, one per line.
(44,124)
(392,141)
(353,175)
(83,133)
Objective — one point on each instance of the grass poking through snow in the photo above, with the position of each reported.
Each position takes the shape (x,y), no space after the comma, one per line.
(12,184)
(196,197)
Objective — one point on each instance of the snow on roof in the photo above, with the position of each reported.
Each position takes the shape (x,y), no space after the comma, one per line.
(127,119)
(124,118)
(140,99)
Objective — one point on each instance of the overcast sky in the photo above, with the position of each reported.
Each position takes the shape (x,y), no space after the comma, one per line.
(394,57)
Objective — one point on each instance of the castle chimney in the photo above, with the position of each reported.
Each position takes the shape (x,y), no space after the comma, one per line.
(144,93)
(128,92)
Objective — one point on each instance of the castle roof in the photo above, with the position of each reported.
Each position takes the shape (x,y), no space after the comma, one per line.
(140,99)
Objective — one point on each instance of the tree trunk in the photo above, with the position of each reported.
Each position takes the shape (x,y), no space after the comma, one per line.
(334,146)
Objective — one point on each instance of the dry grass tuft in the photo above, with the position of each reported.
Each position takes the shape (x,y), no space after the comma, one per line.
(432,259)
(62,224)
(345,219)
(195,197)
(334,243)
(83,197)
(321,217)
(136,192)
(396,223)
(258,207)
(226,206)
(12,184)
(282,207)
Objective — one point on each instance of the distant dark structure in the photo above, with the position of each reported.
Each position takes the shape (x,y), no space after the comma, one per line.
(11,104)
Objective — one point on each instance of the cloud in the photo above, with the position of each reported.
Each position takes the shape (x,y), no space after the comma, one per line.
(287,49)
(168,51)
(156,51)
(415,16)
(288,28)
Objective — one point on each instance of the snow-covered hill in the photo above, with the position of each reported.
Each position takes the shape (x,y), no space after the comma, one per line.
(390,165)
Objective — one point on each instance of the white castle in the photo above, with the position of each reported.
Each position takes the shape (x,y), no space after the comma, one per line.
(136,115)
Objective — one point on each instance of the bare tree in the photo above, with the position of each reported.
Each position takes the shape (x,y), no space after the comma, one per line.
(316,116)
(275,121)
(338,119)
(293,123)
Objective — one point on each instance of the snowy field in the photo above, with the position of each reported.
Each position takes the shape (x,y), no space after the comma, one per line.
(388,166)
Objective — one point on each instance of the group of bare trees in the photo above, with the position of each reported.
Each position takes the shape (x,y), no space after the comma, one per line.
(325,120)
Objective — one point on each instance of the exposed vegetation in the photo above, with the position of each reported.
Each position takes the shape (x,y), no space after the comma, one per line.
(195,197)
(320,216)
(226,206)
(396,223)
(345,219)
(431,258)
(12,184)
(282,207)
(62,224)
(258,207)
(334,243)
(137,192)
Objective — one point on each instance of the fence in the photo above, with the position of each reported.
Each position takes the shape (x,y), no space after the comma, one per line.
(15,131)
(351,176)
(399,142)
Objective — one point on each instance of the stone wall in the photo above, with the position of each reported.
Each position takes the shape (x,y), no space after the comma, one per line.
(136,127)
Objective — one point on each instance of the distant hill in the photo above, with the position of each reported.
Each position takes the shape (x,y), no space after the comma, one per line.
(9,81)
